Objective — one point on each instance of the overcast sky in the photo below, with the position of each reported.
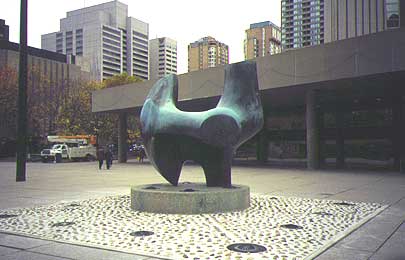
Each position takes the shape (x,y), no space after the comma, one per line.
(182,20)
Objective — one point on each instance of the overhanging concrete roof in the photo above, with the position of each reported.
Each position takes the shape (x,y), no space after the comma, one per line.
(290,73)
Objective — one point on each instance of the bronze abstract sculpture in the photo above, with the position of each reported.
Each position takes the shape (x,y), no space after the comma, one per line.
(210,138)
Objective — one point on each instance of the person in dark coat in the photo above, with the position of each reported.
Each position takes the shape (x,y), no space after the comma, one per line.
(100,157)
(108,158)
(142,153)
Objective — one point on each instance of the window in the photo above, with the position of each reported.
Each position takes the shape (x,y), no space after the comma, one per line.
(140,35)
(392,7)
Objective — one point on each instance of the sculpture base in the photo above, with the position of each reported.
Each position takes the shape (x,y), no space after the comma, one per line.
(189,198)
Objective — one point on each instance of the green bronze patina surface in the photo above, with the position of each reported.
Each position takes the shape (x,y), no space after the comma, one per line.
(172,136)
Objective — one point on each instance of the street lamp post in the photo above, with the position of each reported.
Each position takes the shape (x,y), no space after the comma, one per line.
(22,97)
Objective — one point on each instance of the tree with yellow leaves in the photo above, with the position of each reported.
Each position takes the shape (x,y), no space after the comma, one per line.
(60,111)
(75,116)
(43,100)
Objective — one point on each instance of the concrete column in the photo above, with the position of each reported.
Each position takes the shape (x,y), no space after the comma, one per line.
(313,133)
(262,147)
(397,133)
(122,138)
(340,141)
(402,11)
(320,120)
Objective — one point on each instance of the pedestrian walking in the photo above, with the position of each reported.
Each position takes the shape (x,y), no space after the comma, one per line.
(100,157)
(108,158)
(142,154)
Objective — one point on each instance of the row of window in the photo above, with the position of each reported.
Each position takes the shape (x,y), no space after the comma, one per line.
(111,48)
(139,55)
(140,50)
(111,36)
(112,31)
(136,39)
(112,42)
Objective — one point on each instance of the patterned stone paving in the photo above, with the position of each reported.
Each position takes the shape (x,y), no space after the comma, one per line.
(289,228)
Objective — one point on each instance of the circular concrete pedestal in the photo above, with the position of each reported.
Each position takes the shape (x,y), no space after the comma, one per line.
(189,198)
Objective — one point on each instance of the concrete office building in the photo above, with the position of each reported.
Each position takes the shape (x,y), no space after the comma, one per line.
(207,53)
(162,57)
(105,40)
(55,68)
(312,22)
(262,39)
(347,19)
(3,30)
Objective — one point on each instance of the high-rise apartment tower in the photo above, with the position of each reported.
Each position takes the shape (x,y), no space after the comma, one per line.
(104,39)
(162,57)
(302,23)
(262,39)
(207,53)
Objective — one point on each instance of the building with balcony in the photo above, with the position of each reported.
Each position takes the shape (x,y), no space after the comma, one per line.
(162,57)
(302,23)
(207,53)
(262,39)
(104,39)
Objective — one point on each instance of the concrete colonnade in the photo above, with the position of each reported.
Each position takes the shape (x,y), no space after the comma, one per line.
(314,131)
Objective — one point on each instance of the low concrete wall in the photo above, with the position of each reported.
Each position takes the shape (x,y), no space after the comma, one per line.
(189,198)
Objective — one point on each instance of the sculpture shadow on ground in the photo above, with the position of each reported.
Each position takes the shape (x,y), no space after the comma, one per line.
(209,138)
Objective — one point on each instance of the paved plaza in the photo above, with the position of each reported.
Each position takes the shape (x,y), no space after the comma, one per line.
(382,237)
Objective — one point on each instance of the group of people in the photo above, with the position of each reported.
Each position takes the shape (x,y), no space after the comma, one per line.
(104,154)
(140,153)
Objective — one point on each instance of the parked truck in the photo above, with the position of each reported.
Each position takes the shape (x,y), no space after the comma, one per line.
(74,148)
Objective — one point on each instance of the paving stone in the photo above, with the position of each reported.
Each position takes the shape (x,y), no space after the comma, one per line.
(393,249)
(344,254)
(20,242)
(370,236)
(392,214)
(85,253)
(24,255)
(402,227)
(7,250)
